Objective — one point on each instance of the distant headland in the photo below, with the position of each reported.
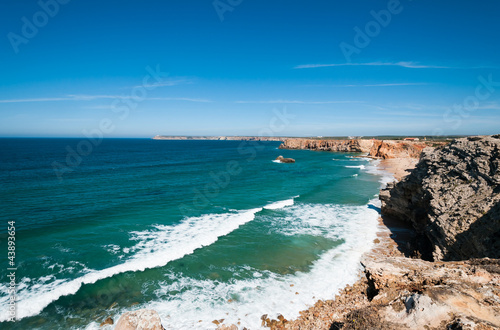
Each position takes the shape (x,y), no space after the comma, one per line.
(221,138)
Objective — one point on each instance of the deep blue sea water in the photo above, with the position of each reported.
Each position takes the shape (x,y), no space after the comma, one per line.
(197,230)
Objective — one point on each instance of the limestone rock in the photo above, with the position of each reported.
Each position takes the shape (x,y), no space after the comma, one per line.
(142,319)
(107,321)
(417,293)
(396,149)
(401,293)
(285,160)
(375,148)
(452,199)
(228,327)
(328,145)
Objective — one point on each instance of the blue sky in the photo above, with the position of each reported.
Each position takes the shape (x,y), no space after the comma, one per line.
(424,67)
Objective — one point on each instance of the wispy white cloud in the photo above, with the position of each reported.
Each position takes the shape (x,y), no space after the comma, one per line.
(372,85)
(410,114)
(413,109)
(411,65)
(187,99)
(297,102)
(98,97)
(46,99)
(167,83)
(489,106)
(64,98)
(70,120)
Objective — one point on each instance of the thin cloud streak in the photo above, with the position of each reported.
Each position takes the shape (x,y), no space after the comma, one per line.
(66,98)
(411,65)
(296,102)
(382,85)
(179,99)
(99,97)
(167,83)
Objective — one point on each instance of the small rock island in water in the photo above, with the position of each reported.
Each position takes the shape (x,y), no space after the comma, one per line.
(285,160)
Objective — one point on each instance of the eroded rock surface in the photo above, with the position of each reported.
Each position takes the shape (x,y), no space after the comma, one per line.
(328,145)
(285,160)
(142,319)
(452,199)
(385,149)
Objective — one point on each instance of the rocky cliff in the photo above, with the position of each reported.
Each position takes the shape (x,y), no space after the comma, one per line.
(328,145)
(452,199)
(396,149)
(400,293)
(375,148)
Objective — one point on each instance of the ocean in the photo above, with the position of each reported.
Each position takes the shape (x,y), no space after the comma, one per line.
(197,230)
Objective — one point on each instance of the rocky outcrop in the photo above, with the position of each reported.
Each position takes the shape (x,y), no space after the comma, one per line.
(328,145)
(285,160)
(396,149)
(452,199)
(416,294)
(384,149)
(144,319)
(401,293)
(395,292)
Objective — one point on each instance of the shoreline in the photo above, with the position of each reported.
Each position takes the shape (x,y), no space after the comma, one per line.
(391,234)
(398,285)
(382,244)
(398,290)
(385,243)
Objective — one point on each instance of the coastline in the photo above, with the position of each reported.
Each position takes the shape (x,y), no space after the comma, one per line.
(390,235)
(320,313)
(399,290)
(398,286)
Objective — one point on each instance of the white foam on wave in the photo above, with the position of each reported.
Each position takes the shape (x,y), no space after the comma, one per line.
(155,248)
(112,248)
(271,293)
(374,168)
(280,204)
(277,161)
(356,166)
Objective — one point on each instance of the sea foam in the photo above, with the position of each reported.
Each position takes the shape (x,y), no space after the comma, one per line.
(268,292)
(356,166)
(155,248)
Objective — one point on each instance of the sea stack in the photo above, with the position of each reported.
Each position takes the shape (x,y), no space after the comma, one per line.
(285,160)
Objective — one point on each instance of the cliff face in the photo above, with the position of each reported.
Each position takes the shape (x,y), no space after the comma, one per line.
(328,145)
(452,199)
(396,149)
(374,148)
(220,138)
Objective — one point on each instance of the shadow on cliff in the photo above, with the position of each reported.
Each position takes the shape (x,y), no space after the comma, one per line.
(481,240)
(401,232)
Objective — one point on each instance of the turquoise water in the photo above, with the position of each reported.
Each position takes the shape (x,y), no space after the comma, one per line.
(198,230)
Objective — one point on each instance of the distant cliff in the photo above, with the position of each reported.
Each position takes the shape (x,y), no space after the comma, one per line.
(452,199)
(220,138)
(375,148)
(396,149)
(328,145)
